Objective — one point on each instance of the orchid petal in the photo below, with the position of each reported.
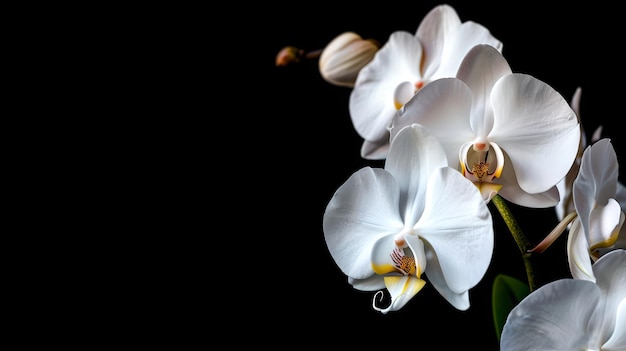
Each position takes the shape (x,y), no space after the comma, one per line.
(488,190)
(415,154)
(537,128)
(468,36)
(617,341)
(439,105)
(402,94)
(610,272)
(553,317)
(596,134)
(382,262)
(620,195)
(480,70)
(362,210)
(599,171)
(458,225)
(597,183)
(375,150)
(446,40)
(515,194)
(572,314)
(578,253)
(434,272)
(433,32)
(463,152)
(566,202)
(575,103)
(371,283)
(500,159)
(604,225)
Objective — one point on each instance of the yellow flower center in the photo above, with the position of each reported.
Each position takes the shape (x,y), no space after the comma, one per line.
(480,169)
(404,264)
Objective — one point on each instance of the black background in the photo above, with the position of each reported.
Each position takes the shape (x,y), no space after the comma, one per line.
(306,147)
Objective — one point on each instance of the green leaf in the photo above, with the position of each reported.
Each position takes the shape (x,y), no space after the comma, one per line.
(506,293)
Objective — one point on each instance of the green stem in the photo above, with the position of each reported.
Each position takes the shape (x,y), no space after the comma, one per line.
(520,239)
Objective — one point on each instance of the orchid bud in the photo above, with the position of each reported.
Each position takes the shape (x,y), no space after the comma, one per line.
(342,59)
(287,55)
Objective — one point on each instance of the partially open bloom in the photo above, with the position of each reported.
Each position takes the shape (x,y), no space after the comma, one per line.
(342,59)
(510,133)
(388,227)
(600,196)
(600,216)
(573,314)
(403,65)
(596,221)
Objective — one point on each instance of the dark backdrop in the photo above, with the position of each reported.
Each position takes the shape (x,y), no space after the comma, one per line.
(306,148)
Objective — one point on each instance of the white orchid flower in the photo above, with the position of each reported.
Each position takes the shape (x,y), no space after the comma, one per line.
(573,314)
(600,216)
(385,228)
(512,134)
(403,65)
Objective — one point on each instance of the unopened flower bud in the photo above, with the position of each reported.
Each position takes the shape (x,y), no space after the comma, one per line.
(342,59)
(287,55)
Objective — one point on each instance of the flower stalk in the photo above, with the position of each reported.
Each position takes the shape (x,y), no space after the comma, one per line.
(520,239)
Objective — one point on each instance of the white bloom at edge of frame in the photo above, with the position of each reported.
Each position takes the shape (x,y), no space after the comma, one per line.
(573,314)
(385,227)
